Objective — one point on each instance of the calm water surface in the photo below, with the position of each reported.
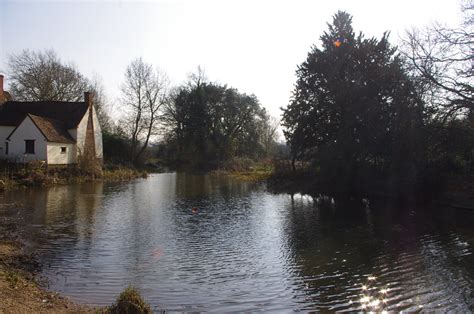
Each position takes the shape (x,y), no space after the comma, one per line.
(245,249)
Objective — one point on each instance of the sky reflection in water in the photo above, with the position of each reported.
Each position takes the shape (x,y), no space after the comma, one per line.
(245,249)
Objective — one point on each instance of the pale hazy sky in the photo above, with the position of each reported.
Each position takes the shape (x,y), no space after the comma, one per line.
(254,46)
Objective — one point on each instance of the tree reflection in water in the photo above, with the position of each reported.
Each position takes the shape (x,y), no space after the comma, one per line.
(246,249)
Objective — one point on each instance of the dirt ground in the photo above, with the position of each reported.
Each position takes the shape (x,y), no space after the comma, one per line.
(19,288)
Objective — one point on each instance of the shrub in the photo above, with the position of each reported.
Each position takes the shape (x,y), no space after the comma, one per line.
(238,164)
(88,164)
(130,302)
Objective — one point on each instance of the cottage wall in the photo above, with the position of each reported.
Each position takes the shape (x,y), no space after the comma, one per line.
(73,133)
(4,132)
(87,133)
(98,136)
(27,130)
(57,157)
(79,135)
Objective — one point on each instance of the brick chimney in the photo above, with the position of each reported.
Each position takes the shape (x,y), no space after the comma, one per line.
(88,99)
(89,142)
(1,84)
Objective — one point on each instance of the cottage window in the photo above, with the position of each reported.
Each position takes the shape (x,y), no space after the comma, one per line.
(29,146)
(63,149)
(6,148)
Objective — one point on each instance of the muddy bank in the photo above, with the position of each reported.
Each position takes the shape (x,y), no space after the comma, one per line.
(20,286)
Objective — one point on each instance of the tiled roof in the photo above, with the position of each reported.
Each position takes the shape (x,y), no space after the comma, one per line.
(53,130)
(68,113)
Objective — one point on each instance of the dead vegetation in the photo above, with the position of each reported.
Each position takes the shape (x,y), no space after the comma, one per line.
(37,174)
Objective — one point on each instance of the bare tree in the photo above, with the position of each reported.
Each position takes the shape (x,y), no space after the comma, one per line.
(37,76)
(442,60)
(143,96)
(101,103)
(197,78)
(269,133)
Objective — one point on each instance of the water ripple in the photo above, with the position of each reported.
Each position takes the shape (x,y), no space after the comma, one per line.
(245,249)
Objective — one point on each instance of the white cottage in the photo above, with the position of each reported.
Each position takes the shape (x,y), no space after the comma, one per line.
(55,132)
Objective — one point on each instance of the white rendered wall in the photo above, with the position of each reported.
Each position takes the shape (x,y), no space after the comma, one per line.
(4,132)
(73,133)
(27,130)
(97,136)
(80,134)
(55,157)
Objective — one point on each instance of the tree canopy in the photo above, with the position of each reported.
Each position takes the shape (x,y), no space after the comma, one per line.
(43,76)
(441,59)
(353,106)
(211,123)
(37,76)
(144,93)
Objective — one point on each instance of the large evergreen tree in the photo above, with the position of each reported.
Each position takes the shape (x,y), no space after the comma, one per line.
(353,109)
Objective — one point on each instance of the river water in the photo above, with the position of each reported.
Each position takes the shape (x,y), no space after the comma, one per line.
(245,249)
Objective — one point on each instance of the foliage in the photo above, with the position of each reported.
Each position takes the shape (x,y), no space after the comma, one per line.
(116,148)
(451,148)
(247,169)
(120,173)
(440,62)
(205,124)
(238,164)
(130,302)
(354,110)
(209,124)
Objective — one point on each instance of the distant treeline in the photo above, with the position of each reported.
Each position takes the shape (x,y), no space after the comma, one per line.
(199,125)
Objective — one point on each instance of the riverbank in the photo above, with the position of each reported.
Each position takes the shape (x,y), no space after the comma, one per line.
(35,174)
(460,192)
(248,175)
(455,191)
(247,170)
(20,290)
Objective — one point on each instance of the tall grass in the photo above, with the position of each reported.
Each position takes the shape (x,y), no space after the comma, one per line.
(39,174)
